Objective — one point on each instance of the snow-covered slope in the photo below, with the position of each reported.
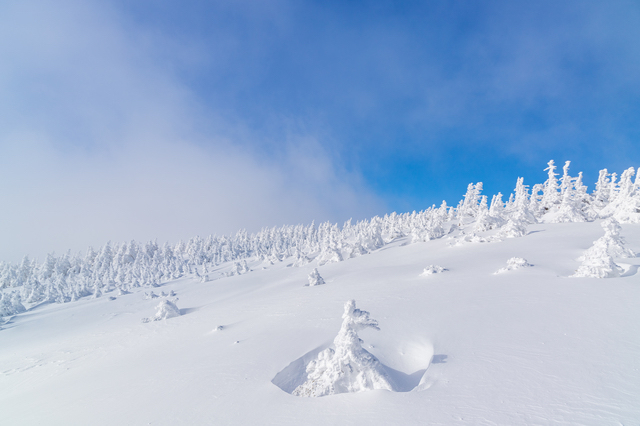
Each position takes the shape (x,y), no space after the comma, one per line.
(467,346)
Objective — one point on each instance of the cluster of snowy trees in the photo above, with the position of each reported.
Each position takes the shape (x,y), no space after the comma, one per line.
(129,265)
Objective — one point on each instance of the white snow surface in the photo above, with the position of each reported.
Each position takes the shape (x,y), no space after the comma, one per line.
(473,350)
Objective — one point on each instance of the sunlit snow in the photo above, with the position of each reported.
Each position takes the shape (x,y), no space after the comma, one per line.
(543,342)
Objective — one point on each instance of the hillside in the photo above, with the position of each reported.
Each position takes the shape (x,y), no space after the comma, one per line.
(464,345)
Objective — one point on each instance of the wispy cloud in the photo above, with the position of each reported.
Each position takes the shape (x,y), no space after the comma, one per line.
(100,141)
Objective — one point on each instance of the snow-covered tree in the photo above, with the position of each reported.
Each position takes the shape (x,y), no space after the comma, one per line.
(239,268)
(603,190)
(329,254)
(497,205)
(550,196)
(573,205)
(624,199)
(535,200)
(315,278)
(11,304)
(519,210)
(570,209)
(611,240)
(166,309)
(514,228)
(484,221)
(513,264)
(597,261)
(348,368)
(205,273)
(469,205)
(130,265)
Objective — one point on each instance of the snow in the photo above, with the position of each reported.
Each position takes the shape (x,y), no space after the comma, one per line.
(513,264)
(475,349)
(557,348)
(166,309)
(432,269)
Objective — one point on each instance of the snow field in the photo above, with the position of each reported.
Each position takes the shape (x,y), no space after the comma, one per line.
(528,348)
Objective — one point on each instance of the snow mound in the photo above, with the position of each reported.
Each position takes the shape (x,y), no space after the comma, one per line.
(513,264)
(315,278)
(467,238)
(166,309)
(432,269)
(348,368)
(150,295)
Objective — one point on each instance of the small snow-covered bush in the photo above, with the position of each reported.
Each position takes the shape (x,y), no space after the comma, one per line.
(315,278)
(348,368)
(513,264)
(513,229)
(150,295)
(468,238)
(239,268)
(204,277)
(166,309)
(432,269)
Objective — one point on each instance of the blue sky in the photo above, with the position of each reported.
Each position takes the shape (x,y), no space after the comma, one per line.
(163,119)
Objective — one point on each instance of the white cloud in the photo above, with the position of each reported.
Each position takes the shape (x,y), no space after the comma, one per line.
(99,141)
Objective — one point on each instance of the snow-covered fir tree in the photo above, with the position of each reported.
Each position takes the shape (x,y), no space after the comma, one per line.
(551,195)
(348,367)
(597,261)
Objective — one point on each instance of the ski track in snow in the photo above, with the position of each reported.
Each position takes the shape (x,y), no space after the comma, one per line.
(532,347)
